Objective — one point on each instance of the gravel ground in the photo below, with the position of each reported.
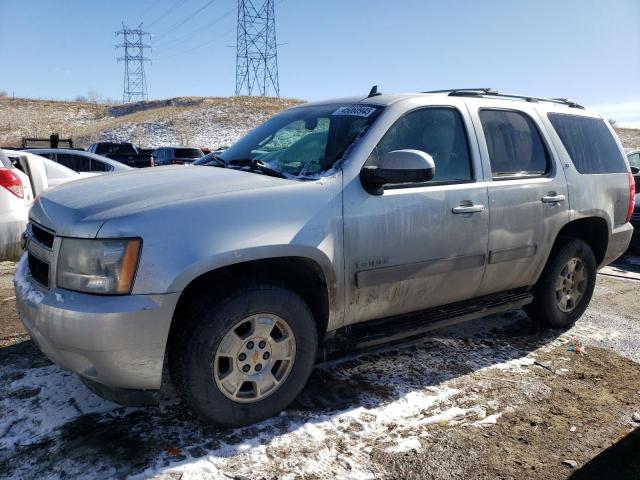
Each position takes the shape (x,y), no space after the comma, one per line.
(494,398)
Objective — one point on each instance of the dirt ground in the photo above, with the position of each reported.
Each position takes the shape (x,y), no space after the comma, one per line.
(498,398)
(11,330)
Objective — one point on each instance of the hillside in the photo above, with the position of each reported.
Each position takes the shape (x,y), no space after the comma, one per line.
(194,121)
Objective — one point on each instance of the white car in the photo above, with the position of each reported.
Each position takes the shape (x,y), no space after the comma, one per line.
(81,161)
(16,197)
(23,176)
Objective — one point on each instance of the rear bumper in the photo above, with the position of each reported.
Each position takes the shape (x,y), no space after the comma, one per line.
(618,243)
(116,341)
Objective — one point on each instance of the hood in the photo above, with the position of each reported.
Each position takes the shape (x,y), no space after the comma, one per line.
(81,207)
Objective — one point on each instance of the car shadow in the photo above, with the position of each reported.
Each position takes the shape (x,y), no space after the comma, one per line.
(620,461)
(124,441)
(629,262)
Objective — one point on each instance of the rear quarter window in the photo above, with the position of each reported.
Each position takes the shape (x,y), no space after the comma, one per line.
(589,143)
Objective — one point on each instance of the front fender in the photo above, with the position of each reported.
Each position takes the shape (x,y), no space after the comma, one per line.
(235,257)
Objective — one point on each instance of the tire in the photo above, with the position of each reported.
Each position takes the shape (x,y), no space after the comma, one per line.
(199,356)
(555,308)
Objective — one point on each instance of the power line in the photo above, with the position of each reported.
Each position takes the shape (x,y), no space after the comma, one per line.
(179,24)
(172,43)
(148,7)
(256,49)
(135,82)
(167,12)
(209,42)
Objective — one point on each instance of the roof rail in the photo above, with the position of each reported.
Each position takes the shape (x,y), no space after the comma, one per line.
(490,92)
(470,91)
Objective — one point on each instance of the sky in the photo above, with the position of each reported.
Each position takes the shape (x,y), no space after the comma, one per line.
(587,50)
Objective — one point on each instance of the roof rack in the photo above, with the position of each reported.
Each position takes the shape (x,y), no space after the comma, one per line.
(490,92)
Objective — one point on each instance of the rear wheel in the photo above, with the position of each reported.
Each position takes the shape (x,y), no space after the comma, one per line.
(566,285)
(245,357)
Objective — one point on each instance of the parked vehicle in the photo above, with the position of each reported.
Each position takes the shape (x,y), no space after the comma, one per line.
(81,161)
(176,156)
(53,173)
(635,221)
(633,156)
(634,160)
(397,214)
(16,197)
(145,151)
(122,152)
(23,176)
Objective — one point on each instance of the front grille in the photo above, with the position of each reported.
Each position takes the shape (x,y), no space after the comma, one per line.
(39,269)
(42,236)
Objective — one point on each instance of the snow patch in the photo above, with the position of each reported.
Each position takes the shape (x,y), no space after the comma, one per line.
(24,286)
(406,444)
(488,420)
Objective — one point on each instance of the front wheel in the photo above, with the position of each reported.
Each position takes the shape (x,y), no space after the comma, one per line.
(246,357)
(566,285)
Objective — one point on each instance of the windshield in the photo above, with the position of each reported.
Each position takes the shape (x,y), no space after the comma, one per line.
(303,141)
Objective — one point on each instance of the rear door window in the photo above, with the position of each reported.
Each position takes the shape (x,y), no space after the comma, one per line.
(514,143)
(634,160)
(589,143)
(74,162)
(99,166)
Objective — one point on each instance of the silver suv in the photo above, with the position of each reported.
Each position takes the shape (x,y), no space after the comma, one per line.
(334,225)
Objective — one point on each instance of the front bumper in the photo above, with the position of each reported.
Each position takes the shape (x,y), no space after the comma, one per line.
(618,243)
(116,341)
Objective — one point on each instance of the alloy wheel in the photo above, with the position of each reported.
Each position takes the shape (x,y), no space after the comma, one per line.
(254,358)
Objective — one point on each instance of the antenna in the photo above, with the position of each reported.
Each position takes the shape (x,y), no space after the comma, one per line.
(135,82)
(374,92)
(257,49)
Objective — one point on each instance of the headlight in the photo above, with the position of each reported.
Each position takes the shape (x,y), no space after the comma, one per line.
(105,267)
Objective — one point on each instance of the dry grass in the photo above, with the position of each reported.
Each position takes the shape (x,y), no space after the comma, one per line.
(630,137)
(84,121)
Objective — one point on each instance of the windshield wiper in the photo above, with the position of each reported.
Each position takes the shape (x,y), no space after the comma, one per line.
(258,165)
(220,162)
(255,165)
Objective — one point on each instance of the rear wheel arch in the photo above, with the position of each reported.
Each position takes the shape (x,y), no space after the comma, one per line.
(593,230)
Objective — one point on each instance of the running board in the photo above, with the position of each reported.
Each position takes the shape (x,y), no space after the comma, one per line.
(374,333)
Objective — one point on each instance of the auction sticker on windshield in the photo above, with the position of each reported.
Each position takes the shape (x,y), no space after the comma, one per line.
(355,111)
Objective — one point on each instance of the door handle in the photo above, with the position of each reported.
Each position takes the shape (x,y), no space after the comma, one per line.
(468,209)
(553,198)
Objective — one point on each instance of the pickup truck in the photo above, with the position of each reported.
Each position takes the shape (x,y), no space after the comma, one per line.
(122,152)
(334,225)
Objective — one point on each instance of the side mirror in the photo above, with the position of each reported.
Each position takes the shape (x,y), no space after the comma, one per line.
(635,170)
(397,167)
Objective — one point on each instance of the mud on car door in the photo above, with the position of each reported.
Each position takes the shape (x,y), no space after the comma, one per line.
(527,194)
(423,244)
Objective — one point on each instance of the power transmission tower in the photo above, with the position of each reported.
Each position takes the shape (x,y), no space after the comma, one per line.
(257,49)
(135,82)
